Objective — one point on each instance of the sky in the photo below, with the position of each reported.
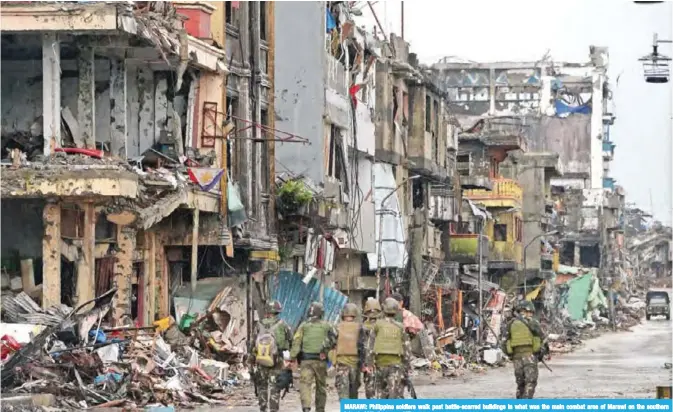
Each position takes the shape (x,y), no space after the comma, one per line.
(522,30)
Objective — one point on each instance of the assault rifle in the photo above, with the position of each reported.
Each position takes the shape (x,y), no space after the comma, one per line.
(408,384)
(284,382)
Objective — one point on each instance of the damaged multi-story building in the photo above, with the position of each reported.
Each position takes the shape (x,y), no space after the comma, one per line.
(324,79)
(121,166)
(552,121)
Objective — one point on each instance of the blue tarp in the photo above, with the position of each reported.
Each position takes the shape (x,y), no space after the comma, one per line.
(562,108)
(330,23)
(296,296)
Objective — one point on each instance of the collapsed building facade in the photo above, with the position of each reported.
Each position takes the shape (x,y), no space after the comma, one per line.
(122,167)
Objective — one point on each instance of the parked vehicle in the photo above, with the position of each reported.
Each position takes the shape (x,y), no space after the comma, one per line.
(658,304)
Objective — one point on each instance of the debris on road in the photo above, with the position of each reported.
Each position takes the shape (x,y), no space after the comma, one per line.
(83,361)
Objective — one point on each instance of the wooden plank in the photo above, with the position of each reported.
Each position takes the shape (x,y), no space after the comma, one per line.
(51,255)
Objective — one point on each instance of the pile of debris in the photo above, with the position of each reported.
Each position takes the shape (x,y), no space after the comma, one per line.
(83,361)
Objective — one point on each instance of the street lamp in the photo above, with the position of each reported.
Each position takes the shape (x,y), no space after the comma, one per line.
(380,242)
(525,277)
(656,67)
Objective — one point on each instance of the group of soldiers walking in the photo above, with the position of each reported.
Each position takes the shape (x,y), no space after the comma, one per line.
(376,351)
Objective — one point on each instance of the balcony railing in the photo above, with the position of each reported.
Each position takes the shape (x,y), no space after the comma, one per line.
(506,252)
(503,190)
(465,247)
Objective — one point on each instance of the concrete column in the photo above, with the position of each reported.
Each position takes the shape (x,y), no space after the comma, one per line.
(86,99)
(149,278)
(118,126)
(195,248)
(576,261)
(86,264)
(162,277)
(51,92)
(123,270)
(51,255)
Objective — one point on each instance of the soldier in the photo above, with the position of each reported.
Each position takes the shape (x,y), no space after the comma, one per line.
(311,343)
(271,337)
(524,344)
(391,352)
(350,353)
(372,312)
(400,300)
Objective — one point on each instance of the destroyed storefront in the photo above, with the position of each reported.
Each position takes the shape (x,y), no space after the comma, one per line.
(106,180)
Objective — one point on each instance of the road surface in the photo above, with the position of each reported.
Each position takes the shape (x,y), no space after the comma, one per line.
(614,365)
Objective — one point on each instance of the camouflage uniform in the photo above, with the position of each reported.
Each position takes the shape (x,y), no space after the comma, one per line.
(268,393)
(311,343)
(391,369)
(372,311)
(524,357)
(348,364)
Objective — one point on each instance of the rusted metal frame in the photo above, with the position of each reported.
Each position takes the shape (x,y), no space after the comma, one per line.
(209,121)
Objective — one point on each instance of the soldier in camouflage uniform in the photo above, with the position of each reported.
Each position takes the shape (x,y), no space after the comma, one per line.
(372,312)
(350,353)
(268,393)
(524,344)
(311,343)
(390,348)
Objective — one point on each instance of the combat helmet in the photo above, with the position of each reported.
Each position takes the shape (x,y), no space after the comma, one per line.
(273,306)
(372,307)
(525,305)
(315,310)
(390,306)
(350,309)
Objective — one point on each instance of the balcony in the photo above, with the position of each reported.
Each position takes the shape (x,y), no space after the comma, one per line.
(465,247)
(505,193)
(505,255)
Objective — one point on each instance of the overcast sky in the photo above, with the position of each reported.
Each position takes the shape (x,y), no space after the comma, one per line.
(495,30)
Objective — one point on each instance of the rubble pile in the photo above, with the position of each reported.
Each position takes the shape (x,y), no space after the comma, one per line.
(84,361)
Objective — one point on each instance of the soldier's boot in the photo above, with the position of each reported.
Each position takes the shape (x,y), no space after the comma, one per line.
(306,410)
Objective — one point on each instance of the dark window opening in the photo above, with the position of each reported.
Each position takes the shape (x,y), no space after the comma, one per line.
(519,229)
(405,107)
(428,114)
(228,12)
(567,255)
(418,194)
(337,162)
(500,233)
(590,256)
(546,265)
(262,20)
(395,105)
(435,113)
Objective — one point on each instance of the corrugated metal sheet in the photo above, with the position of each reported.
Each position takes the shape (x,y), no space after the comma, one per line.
(296,296)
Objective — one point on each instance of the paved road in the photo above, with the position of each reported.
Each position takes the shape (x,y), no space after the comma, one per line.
(615,365)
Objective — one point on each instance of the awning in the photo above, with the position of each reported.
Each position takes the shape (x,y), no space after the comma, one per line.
(478,211)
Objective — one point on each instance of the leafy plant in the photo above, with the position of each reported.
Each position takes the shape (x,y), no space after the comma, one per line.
(294,194)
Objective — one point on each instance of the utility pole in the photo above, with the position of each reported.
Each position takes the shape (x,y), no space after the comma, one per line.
(479,268)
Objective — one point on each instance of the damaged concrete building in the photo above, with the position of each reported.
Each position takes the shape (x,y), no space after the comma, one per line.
(557,117)
(325,93)
(116,153)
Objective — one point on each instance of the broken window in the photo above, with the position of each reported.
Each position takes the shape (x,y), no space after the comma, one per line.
(463,164)
(435,132)
(428,114)
(495,168)
(262,20)
(500,232)
(337,159)
(418,194)
(567,255)
(590,256)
